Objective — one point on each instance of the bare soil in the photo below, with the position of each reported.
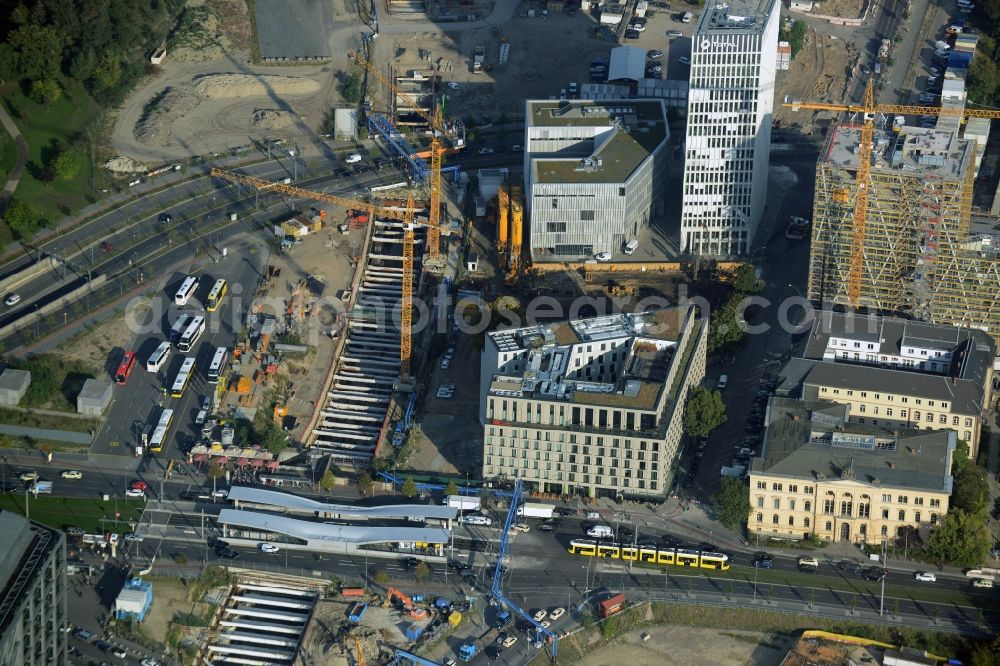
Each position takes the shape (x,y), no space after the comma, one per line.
(842,8)
(689,646)
(94,346)
(818,73)
(169,598)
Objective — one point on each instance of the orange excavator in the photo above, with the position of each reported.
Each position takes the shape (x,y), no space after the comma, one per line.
(411,610)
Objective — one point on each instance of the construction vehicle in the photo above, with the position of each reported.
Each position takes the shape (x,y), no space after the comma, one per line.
(405,213)
(883,50)
(478,58)
(618,289)
(510,230)
(357,611)
(869,110)
(409,607)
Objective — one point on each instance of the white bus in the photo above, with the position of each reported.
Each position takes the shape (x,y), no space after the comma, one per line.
(161,430)
(218,364)
(183,377)
(191,334)
(188,287)
(177,330)
(158,357)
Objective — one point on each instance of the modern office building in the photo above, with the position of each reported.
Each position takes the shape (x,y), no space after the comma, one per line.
(821,474)
(591,406)
(33,601)
(594,174)
(726,150)
(897,373)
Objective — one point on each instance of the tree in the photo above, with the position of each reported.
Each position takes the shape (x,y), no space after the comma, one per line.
(22,218)
(961,539)
(732,502)
(44,91)
(987,653)
(972,491)
(745,281)
(365,484)
(451,488)
(38,50)
(216,471)
(328,480)
(984,78)
(409,488)
(273,438)
(724,328)
(960,458)
(350,87)
(421,571)
(381,577)
(67,164)
(703,412)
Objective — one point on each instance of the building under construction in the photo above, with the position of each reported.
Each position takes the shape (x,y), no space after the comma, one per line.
(921,254)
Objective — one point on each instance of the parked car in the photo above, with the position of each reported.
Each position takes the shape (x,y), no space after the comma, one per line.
(453,85)
(353,158)
(654,54)
(522,527)
(631,34)
(684,60)
(674,34)
(539,615)
(546,527)
(509,641)
(603,256)
(557,613)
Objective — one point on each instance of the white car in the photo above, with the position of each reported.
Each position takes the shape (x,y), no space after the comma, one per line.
(545,623)
(221,493)
(12,299)
(268,548)
(509,641)
(684,60)
(149,662)
(135,493)
(353,158)
(603,256)
(114,538)
(539,615)
(522,527)
(485,150)
(925,576)
(453,85)
(674,34)
(137,538)
(29,476)
(72,474)
(557,613)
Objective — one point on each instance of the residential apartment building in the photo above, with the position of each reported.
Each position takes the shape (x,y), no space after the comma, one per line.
(726,150)
(819,473)
(591,406)
(594,174)
(898,373)
(33,601)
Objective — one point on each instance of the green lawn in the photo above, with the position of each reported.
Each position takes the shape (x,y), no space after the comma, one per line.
(46,128)
(61,512)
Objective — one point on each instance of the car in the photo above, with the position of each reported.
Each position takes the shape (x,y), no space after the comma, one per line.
(411,562)
(459,566)
(603,256)
(493,652)
(73,530)
(807,564)
(476,519)
(12,299)
(72,474)
(925,577)
(166,218)
(453,85)
(878,68)
(763,562)
(521,527)
(638,27)
(684,60)
(353,158)
(103,645)
(268,548)
(470,579)
(132,536)
(501,637)
(557,613)
(445,363)
(221,493)
(135,493)
(120,653)
(84,635)
(485,150)
(227,553)
(874,574)
(149,662)
(539,615)
(866,70)
(545,623)
(509,641)
(546,527)
(29,476)
(565,511)
(200,417)
(674,34)
(139,485)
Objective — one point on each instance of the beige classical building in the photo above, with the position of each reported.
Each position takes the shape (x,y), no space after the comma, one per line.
(820,473)
(591,406)
(898,373)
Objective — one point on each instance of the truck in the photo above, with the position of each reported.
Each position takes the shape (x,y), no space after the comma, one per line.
(641,8)
(463,503)
(535,510)
(797,228)
(478,59)
(883,49)
(41,488)
(611,606)
(468,651)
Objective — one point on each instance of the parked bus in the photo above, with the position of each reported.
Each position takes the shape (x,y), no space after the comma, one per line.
(161,430)
(650,554)
(218,364)
(125,368)
(186,291)
(158,357)
(191,334)
(183,378)
(216,295)
(177,330)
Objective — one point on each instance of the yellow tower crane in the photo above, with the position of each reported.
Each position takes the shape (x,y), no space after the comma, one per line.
(503,211)
(868,108)
(405,213)
(439,130)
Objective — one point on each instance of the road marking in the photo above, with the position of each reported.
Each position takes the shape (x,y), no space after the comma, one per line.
(113,444)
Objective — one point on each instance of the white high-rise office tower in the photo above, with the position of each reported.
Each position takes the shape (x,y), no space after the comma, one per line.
(730,99)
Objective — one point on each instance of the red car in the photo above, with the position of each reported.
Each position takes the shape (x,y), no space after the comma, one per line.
(139,485)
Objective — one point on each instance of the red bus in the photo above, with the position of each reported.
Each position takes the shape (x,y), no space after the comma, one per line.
(125,368)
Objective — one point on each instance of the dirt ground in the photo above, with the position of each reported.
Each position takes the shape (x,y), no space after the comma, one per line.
(843,8)
(169,598)
(379,625)
(93,347)
(818,73)
(689,646)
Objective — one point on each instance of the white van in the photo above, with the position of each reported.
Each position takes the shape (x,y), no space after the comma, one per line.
(723,382)
(687,17)
(600,531)
(982,582)
(631,246)
(475,519)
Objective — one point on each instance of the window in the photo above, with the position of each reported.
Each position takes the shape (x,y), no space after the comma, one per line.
(774,519)
(968,423)
(933,519)
(828,507)
(885,514)
(777,502)
(864,510)
(791,505)
(846,508)
(791,521)
(885,530)
(919,501)
(903,499)
(760,502)
(829,526)
(861,408)
(793,489)
(760,517)
(888,411)
(935,502)
(902,514)
(808,490)
(954,420)
(930,417)
(587,215)
(555,203)
(776,487)
(761,485)
(916,516)
(808,506)
(943,419)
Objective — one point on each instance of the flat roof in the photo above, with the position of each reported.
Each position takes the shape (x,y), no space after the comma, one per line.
(298,503)
(635,129)
(311,531)
(734,16)
(939,152)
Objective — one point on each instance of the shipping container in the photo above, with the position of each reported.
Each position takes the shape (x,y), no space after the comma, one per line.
(612,606)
